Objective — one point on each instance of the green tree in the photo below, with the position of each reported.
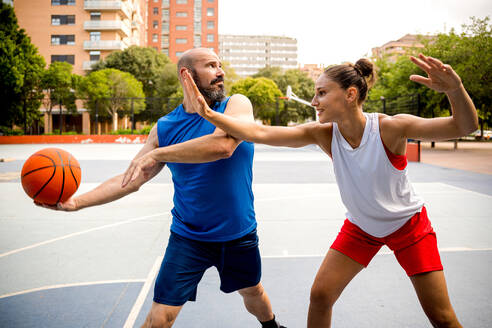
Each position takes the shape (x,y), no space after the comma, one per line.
(263,94)
(58,83)
(470,55)
(154,70)
(109,90)
(230,75)
(21,68)
(302,85)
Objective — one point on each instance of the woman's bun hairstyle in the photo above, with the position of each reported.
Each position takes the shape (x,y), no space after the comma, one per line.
(361,75)
(366,69)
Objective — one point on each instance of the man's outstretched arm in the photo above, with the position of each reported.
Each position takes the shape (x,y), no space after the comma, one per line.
(208,148)
(111,189)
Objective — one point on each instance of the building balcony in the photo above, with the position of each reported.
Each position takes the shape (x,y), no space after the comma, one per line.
(119,6)
(87,65)
(104,45)
(108,25)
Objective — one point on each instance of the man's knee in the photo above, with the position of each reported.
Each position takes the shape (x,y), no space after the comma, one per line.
(161,316)
(255,291)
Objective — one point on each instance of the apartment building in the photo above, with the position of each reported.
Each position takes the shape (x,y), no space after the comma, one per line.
(394,49)
(175,26)
(247,54)
(82,32)
(313,70)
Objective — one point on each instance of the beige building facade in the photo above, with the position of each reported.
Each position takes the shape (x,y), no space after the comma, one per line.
(247,54)
(394,49)
(81,32)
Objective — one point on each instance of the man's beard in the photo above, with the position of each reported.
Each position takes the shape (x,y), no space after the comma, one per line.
(210,92)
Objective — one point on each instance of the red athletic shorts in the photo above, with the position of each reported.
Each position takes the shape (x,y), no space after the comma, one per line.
(414,245)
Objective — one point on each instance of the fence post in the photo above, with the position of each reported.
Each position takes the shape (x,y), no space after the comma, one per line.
(25,115)
(133,117)
(418,114)
(384,104)
(61,117)
(97,119)
(276,113)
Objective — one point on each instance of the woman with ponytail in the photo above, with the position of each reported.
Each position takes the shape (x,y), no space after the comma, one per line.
(368,152)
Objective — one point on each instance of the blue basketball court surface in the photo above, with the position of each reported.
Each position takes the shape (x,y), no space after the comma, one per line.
(96,267)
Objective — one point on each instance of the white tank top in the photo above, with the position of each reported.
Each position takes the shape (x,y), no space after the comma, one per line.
(379,198)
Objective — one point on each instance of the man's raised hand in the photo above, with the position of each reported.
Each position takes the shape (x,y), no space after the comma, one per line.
(194,95)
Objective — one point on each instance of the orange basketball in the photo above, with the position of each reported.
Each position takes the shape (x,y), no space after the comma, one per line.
(50,176)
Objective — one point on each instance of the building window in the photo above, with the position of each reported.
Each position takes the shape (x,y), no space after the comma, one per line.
(210,38)
(179,53)
(197,41)
(181,14)
(181,2)
(95,36)
(165,51)
(181,27)
(95,16)
(155,37)
(181,41)
(210,25)
(156,11)
(165,14)
(210,12)
(57,40)
(63,2)
(63,58)
(155,24)
(62,19)
(211,1)
(95,55)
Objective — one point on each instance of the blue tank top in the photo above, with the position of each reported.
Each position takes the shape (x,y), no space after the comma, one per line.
(212,201)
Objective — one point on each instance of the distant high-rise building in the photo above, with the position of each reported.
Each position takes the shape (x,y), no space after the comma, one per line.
(393,49)
(247,54)
(175,26)
(81,32)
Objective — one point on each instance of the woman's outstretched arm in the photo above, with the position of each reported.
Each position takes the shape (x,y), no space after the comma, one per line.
(441,78)
(271,135)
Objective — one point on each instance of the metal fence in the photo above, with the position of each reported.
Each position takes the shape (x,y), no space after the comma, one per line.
(150,109)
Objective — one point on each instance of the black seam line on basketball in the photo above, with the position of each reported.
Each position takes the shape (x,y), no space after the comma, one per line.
(63,181)
(52,161)
(73,175)
(54,171)
(39,168)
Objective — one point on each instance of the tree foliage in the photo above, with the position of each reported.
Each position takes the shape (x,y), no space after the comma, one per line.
(21,68)
(154,70)
(302,85)
(262,93)
(110,89)
(58,83)
(470,55)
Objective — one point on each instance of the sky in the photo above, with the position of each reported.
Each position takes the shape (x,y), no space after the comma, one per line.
(331,32)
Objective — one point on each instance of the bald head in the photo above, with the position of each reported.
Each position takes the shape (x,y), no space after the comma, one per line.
(190,56)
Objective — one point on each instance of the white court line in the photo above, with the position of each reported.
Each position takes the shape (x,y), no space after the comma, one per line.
(78,284)
(80,233)
(441,250)
(132,317)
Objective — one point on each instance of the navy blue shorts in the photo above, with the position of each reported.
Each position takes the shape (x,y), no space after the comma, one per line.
(237,261)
